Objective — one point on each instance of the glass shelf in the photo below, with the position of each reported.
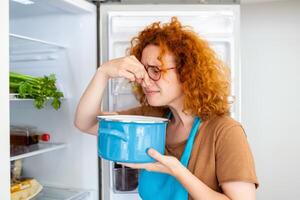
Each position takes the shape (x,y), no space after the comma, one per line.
(24,49)
(55,193)
(35,149)
(14,97)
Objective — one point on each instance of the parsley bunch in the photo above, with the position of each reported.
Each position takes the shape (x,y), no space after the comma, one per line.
(38,88)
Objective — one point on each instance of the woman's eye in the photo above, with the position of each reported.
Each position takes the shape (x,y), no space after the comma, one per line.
(156,71)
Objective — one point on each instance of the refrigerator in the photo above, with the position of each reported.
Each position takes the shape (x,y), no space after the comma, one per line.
(72,38)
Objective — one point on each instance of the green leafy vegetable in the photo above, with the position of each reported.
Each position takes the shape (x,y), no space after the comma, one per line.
(38,88)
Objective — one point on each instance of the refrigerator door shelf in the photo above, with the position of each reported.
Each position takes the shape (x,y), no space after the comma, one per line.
(121,86)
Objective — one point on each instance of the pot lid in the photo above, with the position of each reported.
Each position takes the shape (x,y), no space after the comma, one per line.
(132,118)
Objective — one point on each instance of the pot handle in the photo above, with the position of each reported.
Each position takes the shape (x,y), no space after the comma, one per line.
(115,133)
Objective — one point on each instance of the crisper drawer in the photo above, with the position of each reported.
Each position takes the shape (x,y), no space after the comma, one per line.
(54,193)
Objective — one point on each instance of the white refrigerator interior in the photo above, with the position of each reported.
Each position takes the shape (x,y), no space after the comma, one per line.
(57,37)
(219,24)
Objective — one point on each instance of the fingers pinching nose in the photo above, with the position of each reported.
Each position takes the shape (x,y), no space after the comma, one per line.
(139,80)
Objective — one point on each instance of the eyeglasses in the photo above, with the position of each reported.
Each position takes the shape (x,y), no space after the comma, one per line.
(154,72)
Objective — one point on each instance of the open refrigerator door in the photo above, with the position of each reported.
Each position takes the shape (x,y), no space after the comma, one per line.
(55,37)
(219,24)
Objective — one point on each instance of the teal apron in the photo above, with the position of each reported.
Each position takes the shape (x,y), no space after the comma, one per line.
(161,186)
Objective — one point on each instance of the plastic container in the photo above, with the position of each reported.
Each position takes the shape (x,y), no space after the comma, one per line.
(125,179)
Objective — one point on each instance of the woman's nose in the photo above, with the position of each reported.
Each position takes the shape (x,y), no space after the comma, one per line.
(146,82)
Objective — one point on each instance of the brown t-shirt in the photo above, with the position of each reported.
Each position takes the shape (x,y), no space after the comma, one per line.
(220,152)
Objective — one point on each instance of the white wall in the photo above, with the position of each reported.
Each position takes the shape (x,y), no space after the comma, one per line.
(270,41)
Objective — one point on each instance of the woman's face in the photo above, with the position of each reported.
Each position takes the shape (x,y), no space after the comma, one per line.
(167,90)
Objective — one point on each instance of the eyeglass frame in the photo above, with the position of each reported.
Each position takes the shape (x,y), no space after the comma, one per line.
(158,69)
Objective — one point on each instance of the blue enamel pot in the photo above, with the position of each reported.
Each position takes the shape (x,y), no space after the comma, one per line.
(126,138)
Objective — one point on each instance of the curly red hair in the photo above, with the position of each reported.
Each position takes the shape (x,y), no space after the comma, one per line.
(204,77)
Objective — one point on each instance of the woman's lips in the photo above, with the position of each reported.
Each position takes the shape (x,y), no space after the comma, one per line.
(151,91)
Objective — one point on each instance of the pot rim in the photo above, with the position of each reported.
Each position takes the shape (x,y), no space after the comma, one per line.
(138,119)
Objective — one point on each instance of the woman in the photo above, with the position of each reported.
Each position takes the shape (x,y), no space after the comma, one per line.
(177,75)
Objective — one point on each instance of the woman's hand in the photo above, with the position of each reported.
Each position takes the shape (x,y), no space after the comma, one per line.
(128,67)
(164,164)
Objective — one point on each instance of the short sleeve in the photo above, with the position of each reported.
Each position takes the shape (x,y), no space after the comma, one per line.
(234,160)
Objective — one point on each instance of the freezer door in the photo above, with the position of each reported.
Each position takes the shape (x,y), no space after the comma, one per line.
(219,24)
